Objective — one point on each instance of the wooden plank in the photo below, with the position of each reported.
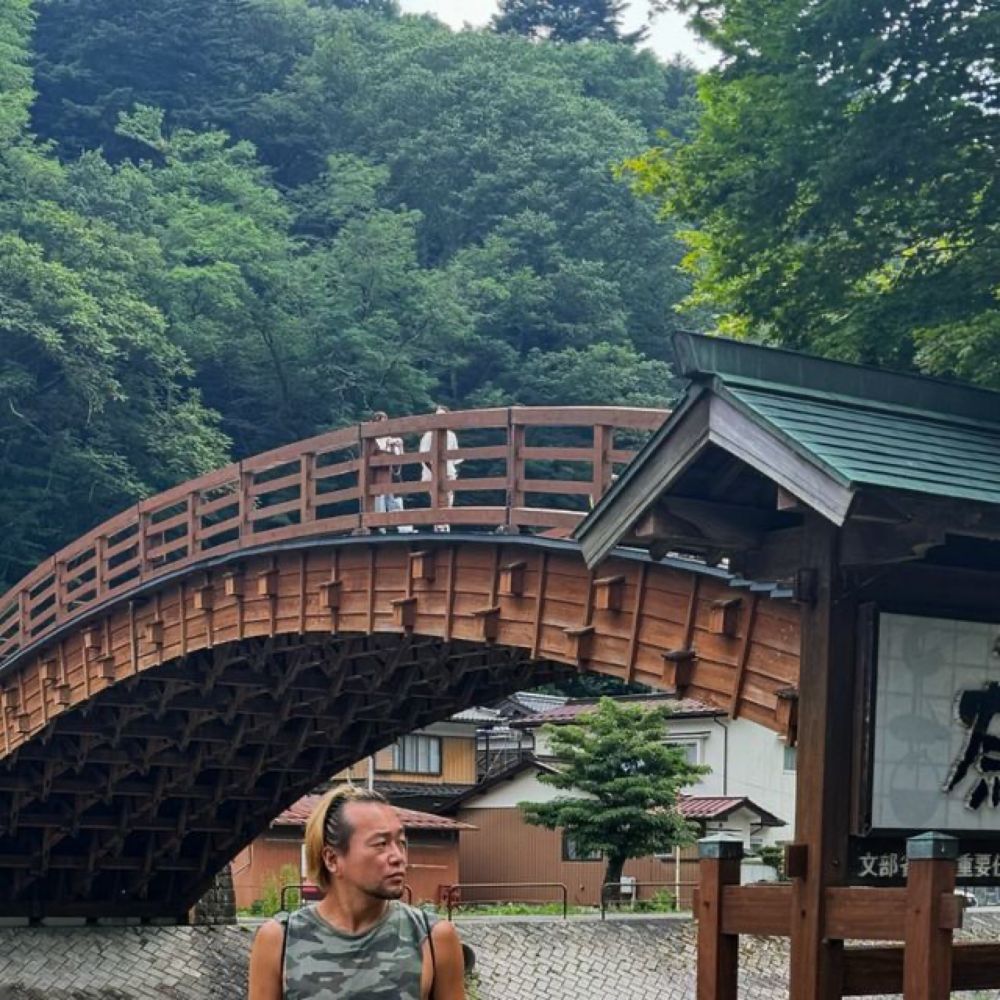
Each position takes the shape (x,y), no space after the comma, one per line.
(640,594)
(865,914)
(874,971)
(741,663)
(756,909)
(543,562)
(450,593)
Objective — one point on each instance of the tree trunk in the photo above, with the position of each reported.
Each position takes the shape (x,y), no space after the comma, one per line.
(613,875)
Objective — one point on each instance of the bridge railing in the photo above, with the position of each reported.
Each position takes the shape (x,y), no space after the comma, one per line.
(519,469)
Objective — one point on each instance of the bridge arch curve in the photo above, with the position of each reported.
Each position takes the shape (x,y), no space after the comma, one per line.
(162,697)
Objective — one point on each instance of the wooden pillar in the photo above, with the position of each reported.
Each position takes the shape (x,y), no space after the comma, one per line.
(930,920)
(823,779)
(718,954)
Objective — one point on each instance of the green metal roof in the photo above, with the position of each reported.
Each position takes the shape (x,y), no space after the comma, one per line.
(892,447)
(861,425)
(854,426)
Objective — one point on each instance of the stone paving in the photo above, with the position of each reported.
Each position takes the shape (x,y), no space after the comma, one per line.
(516,959)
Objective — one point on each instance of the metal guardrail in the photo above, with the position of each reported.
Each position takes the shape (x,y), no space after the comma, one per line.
(309,892)
(334,484)
(674,886)
(454,900)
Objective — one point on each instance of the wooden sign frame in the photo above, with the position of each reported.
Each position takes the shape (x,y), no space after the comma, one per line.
(868,840)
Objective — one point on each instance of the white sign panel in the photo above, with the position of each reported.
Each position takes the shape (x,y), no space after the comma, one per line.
(936,746)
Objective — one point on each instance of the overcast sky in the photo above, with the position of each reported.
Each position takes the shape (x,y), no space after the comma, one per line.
(669,35)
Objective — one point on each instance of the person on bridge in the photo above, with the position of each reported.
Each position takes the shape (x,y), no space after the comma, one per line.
(386,475)
(360,942)
(427,443)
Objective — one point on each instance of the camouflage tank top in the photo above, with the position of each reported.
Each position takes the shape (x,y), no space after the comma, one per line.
(382,963)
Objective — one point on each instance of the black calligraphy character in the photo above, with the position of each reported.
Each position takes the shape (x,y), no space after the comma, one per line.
(976,710)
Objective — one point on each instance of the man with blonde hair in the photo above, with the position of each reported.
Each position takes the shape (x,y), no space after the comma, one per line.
(360,942)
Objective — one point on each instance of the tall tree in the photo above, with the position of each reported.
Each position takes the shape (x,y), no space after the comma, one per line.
(626,780)
(567,20)
(842,186)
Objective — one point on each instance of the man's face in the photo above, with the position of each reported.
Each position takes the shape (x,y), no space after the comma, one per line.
(375,859)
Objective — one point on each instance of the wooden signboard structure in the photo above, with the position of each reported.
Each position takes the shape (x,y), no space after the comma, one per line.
(875,498)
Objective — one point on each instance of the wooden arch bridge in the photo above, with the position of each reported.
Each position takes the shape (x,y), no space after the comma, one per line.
(174,679)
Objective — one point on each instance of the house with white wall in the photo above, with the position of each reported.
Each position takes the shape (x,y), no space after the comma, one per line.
(746,760)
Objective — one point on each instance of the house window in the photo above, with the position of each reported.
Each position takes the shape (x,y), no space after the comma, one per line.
(571,852)
(691,748)
(790,758)
(417,754)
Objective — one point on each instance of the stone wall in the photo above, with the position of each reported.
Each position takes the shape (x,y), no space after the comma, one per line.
(542,959)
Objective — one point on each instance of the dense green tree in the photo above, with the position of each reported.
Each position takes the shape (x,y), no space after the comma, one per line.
(311,330)
(203,61)
(509,160)
(566,20)
(96,408)
(843,179)
(626,781)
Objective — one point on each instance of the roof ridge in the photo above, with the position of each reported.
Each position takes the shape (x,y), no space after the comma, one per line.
(859,403)
(701,357)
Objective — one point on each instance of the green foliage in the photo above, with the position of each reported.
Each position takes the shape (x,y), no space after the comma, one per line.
(270,902)
(626,781)
(96,405)
(843,182)
(662,901)
(248,221)
(201,60)
(566,20)
(774,856)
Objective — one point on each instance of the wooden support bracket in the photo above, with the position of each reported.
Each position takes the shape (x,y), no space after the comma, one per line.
(609,593)
(233,583)
(796,860)
(329,595)
(512,579)
(92,640)
(422,565)
(579,641)
(152,634)
(724,617)
(787,714)
(203,597)
(678,669)
(267,583)
(489,619)
(404,612)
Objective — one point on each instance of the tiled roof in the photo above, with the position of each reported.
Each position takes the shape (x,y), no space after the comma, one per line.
(299,812)
(572,710)
(400,789)
(721,806)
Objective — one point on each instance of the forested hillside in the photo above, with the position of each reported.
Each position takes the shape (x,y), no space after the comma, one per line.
(229,224)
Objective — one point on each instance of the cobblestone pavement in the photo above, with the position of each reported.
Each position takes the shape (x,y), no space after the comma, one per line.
(516,960)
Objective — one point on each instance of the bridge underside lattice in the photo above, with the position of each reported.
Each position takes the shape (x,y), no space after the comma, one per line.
(129,804)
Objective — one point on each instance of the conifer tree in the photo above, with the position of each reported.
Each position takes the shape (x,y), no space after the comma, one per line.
(567,20)
(624,782)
